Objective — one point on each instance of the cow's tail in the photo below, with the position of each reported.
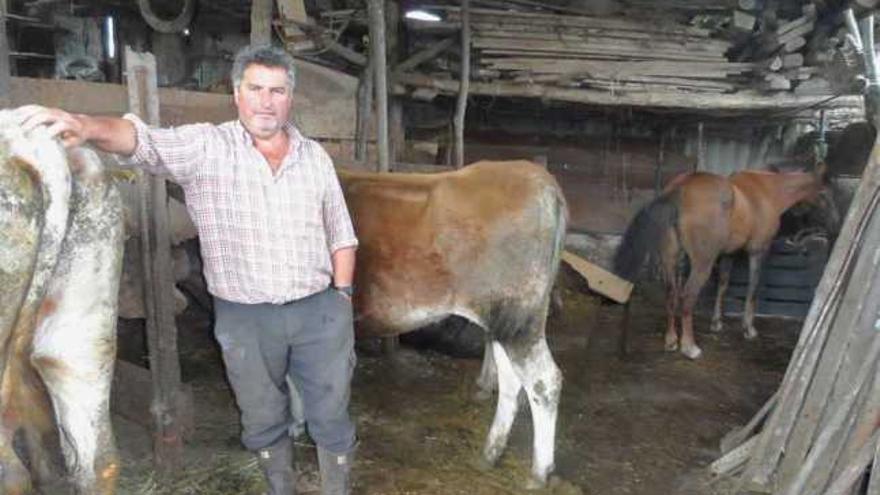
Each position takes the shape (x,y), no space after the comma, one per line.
(560,217)
(644,235)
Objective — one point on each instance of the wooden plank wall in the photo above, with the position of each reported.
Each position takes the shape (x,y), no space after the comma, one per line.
(324,101)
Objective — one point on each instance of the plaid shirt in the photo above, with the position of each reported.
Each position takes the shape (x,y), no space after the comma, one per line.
(264,238)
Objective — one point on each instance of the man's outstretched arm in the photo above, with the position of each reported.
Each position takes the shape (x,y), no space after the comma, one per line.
(110,134)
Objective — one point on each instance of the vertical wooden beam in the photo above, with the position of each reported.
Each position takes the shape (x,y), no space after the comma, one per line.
(379,62)
(872,71)
(4,58)
(658,169)
(364,112)
(396,131)
(261,22)
(464,83)
(294,10)
(380,68)
(701,148)
(143,100)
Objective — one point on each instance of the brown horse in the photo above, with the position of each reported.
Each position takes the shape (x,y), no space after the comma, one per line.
(700,216)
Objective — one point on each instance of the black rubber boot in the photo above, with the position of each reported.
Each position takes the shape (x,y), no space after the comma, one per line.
(335,472)
(276,461)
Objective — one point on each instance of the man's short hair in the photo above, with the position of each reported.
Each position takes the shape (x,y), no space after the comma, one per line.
(266,55)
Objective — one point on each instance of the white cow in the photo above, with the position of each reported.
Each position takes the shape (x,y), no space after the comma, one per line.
(60,262)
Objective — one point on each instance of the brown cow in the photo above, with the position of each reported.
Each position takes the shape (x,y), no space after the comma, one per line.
(482,243)
(60,262)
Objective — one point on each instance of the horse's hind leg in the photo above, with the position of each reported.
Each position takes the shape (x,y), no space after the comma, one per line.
(700,272)
(724,266)
(509,386)
(672,276)
(755,261)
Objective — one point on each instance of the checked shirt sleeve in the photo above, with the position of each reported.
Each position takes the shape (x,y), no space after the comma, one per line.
(174,151)
(337,222)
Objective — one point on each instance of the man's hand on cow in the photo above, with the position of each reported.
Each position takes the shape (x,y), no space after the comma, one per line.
(67,127)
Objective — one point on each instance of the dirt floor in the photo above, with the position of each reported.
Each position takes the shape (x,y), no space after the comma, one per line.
(647,423)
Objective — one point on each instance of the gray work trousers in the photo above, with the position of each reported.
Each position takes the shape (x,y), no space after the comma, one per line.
(309,341)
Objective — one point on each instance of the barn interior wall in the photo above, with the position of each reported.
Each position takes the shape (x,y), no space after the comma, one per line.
(607,176)
(324,102)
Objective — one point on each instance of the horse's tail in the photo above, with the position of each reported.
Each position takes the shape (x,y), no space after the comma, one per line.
(645,233)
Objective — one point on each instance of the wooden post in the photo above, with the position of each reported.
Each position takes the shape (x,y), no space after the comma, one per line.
(464,85)
(872,93)
(378,60)
(143,100)
(658,169)
(701,149)
(261,22)
(4,59)
(364,113)
(380,67)
(396,131)
(294,38)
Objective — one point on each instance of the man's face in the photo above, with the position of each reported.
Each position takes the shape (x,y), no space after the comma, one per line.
(263,99)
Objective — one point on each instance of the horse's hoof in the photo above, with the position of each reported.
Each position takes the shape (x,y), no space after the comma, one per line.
(716,326)
(750,334)
(692,352)
(671,346)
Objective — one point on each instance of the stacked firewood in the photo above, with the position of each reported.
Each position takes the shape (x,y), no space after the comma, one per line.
(747,45)
(793,49)
(611,53)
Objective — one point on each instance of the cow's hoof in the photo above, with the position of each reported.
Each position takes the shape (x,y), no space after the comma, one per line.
(535,484)
(15,482)
(482,464)
(483,394)
(692,351)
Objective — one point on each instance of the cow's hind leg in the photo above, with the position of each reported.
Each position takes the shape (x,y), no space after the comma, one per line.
(81,401)
(542,381)
(487,382)
(509,386)
(14,476)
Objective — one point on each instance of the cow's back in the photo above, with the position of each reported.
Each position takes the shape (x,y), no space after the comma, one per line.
(482,242)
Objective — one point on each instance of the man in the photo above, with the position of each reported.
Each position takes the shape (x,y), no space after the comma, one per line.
(278,248)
